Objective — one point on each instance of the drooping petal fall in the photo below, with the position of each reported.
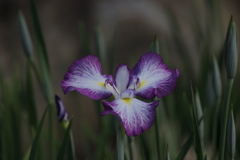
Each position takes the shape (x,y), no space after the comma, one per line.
(85,76)
(155,78)
(135,115)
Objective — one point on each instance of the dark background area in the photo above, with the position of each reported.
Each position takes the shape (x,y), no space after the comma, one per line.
(129,25)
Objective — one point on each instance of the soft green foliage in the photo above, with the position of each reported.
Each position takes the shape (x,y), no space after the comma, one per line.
(33,152)
(196,128)
(231,136)
(206,123)
(65,143)
(25,36)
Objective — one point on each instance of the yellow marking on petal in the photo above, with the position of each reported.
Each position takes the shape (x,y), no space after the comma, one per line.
(142,84)
(127,100)
(101,84)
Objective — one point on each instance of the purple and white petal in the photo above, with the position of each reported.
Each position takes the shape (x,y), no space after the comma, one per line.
(61,111)
(121,77)
(135,115)
(85,76)
(155,78)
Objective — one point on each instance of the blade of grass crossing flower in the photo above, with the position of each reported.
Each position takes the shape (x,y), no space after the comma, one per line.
(157,127)
(63,148)
(185,148)
(34,148)
(197,139)
(31,107)
(155,48)
(83,36)
(225,110)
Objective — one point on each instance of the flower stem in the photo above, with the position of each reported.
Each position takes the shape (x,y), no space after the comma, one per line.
(225,110)
(120,141)
(131,147)
(215,125)
(156,126)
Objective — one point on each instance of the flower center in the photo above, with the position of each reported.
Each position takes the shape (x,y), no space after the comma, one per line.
(127,100)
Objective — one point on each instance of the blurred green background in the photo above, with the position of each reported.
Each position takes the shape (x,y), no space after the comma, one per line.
(189,32)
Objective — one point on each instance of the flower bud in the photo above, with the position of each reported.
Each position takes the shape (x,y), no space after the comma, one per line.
(231,50)
(61,112)
(231,136)
(25,36)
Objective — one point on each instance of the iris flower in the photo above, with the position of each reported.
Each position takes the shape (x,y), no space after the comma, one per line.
(149,78)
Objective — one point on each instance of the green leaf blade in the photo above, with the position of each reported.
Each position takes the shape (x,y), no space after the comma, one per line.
(33,152)
(63,147)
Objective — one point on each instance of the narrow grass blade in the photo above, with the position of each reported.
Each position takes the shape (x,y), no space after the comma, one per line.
(120,140)
(111,52)
(30,102)
(155,45)
(197,139)
(34,148)
(198,115)
(131,147)
(42,54)
(65,142)
(231,136)
(25,36)
(224,114)
(39,36)
(185,148)
(100,47)
(15,115)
